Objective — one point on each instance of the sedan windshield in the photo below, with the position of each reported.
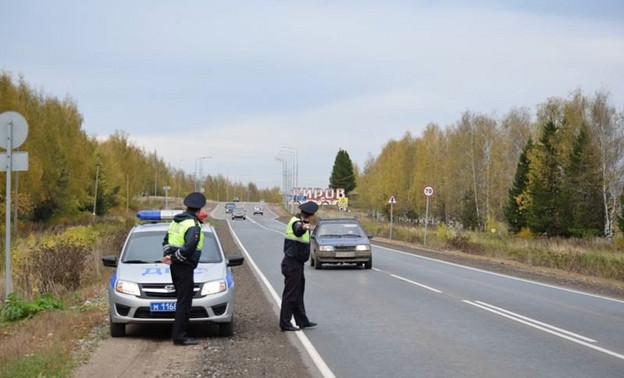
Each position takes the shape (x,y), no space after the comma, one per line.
(337,230)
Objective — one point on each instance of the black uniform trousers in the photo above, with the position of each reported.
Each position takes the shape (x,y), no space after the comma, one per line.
(182,276)
(292,298)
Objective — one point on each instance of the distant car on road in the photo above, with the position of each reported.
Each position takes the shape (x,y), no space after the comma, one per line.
(235,199)
(258,210)
(229,207)
(340,241)
(239,212)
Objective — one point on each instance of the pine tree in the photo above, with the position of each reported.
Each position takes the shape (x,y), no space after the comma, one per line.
(515,211)
(583,188)
(342,175)
(547,210)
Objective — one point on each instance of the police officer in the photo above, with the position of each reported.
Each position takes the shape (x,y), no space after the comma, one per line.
(182,250)
(296,253)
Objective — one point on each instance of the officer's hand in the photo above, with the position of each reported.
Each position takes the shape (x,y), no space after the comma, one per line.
(166,260)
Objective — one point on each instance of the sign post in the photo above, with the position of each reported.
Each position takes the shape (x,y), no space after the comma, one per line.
(428,190)
(391,201)
(13,132)
(166,188)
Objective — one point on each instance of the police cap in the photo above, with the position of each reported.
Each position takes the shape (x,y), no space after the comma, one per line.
(309,207)
(195,200)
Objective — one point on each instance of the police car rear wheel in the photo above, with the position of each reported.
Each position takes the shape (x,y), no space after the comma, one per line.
(117,329)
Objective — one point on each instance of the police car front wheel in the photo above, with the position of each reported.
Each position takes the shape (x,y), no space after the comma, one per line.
(117,329)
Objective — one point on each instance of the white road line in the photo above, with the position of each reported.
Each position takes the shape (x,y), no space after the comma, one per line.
(408,280)
(314,355)
(502,275)
(563,336)
(538,322)
(415,283)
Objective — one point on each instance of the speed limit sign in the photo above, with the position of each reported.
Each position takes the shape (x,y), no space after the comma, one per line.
(428,191)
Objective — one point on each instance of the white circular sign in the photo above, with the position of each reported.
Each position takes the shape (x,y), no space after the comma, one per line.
(428,191)
(20,129)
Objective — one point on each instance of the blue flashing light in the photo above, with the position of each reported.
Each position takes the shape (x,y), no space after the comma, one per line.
(149,215)
(157,215)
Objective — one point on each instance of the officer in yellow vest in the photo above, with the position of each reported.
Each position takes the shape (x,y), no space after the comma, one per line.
(296,253)
(182,250)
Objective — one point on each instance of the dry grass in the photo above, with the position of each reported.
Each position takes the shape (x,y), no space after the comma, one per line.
(50,336)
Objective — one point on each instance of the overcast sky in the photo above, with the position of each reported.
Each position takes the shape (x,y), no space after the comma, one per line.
(240,80)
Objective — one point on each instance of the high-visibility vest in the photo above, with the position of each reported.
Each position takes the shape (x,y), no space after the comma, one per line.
(177,230)
(305,238)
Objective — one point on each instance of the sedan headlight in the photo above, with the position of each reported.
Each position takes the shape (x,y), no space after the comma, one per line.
(128,288)
(213,287)
(326,248)
(363,247)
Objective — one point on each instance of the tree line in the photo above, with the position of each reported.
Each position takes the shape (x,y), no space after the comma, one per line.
(560,174)
(65,163)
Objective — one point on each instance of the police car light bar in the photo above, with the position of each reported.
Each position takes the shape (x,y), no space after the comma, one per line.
(157,215)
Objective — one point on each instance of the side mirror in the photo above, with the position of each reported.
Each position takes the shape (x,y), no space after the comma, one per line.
(235,260)
(370,236)
(110,261)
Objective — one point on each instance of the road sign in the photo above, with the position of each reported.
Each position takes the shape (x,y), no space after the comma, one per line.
(392,200)
(17,132)
(428,191)
(19,161)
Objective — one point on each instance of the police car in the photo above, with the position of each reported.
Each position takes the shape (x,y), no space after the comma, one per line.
(141,290)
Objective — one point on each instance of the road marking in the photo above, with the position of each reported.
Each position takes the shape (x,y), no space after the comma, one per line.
(537,322)
(415,283)
(408,280)
(505,314)
(314,355)
(503,275)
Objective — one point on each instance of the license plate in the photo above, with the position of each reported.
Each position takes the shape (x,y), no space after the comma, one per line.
(162,306)
(345,254)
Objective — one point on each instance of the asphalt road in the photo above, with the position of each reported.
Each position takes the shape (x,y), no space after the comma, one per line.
(414,316)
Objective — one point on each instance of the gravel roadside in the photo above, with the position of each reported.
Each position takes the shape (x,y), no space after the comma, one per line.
(258,348)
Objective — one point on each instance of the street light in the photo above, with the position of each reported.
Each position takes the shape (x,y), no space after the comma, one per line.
(201,158)
(97,176)
(296,166)
(289,174)
(179,175)
(284,180)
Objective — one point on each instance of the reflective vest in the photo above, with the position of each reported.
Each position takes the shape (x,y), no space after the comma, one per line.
(296,247)
(177,230)
(305,238)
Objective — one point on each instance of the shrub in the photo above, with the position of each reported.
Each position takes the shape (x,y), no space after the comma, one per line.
(17,308)
(462,243)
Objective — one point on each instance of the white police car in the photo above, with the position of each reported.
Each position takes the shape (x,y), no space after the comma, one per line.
(141,290)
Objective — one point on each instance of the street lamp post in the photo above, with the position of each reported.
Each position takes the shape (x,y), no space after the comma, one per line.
(179,175)
(289,157)
(284,179)
(201,158)
(97,176)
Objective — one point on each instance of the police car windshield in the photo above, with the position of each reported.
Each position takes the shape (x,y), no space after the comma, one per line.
(147,247)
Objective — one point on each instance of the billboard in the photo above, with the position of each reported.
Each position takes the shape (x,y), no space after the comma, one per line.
(327,196)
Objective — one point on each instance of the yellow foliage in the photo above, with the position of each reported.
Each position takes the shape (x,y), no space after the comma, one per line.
(442,232)
(525,233)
